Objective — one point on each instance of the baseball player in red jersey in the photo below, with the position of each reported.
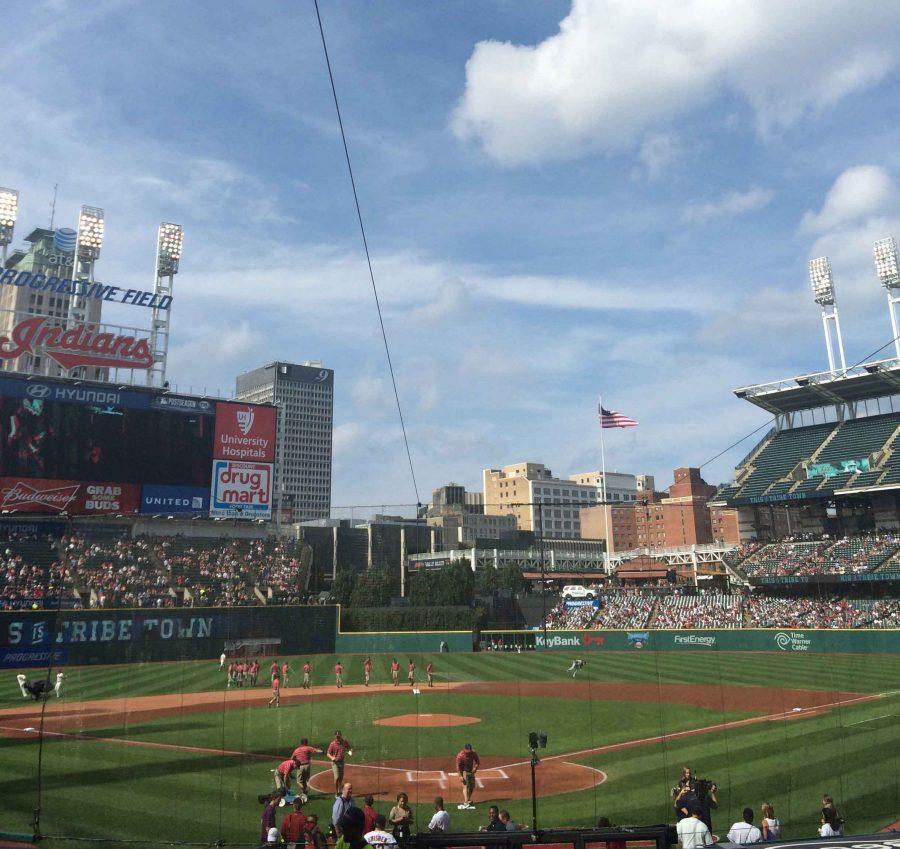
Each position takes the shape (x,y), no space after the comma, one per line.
(303,758)
(338,749)
(429,671)
(395,672)
(367,670)
(230,674)
(307,672)
(273,669)
(283,774)
(467,763)
(285,670)
(411,673)
(339,674)
(276,692)
(254,672)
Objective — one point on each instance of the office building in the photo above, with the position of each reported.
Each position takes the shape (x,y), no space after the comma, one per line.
(541,503)
(304,395)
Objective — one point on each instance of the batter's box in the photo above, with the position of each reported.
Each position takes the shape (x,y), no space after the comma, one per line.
(436,775)
(490,775)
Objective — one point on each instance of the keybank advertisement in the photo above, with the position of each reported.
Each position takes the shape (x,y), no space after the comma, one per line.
(241,490)
(174,499)
(826,640)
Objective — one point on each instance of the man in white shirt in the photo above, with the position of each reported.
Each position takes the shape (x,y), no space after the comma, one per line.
(378,836)
(440,822)
(692,831)
(745,832)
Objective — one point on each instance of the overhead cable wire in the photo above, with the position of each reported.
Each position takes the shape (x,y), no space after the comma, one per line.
(365,241)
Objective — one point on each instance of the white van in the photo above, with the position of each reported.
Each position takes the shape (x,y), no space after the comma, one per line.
(573,591)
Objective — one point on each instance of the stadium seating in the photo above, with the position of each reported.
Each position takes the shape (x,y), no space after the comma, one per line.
(781,454)
(710,610)
(625,610)
(31,574)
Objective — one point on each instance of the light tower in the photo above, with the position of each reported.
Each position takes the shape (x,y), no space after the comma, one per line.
(822,281)
(888,273)
(88,242)
(9,211)
(169,242)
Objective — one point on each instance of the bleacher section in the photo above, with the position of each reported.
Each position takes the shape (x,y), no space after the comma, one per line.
(771,474)
(856,555)
(784,451)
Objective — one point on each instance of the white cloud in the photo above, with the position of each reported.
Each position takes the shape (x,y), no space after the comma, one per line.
(729,205)
(451,300)
(857,193)
(618,68)
(658,152)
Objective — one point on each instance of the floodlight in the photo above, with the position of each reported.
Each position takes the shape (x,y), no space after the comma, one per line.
(90,232)
(169,243)
(9,211)
(822,281)
(886,263)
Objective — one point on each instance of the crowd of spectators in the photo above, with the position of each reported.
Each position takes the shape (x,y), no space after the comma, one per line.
(769,612)
(566,616)
(709,610)
(31,574)
(801,556)
(625,609)
(116,572)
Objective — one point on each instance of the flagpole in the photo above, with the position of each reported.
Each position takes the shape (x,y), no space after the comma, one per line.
(606,516)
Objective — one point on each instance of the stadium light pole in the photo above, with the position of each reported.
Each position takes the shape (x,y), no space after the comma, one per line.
(169,245)
(9,212)
(889,274)
(88,243)
(822,281)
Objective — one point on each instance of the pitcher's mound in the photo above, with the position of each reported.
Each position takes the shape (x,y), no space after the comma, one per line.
(426,720)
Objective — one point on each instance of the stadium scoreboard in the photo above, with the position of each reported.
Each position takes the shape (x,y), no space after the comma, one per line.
(85,448)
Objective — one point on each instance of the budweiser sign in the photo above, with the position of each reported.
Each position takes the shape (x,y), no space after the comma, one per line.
(33,499)
(81,345)
(33,495)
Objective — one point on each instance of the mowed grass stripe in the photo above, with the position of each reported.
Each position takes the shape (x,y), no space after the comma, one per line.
(862,673)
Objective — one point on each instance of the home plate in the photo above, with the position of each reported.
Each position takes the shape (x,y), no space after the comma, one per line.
(797,710)
(29,729)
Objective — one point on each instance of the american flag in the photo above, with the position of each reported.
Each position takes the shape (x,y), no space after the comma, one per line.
(610,418)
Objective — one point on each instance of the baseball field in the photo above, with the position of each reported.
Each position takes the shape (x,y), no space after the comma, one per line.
(164,751)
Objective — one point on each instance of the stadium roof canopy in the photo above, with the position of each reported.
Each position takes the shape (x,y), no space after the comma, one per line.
(878,379)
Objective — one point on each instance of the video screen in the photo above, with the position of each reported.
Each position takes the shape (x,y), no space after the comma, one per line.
(85,442)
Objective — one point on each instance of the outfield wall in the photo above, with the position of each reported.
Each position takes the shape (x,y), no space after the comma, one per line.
(37,637)
(824,641)
(402,642)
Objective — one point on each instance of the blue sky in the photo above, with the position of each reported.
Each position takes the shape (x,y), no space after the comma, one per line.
(563,200)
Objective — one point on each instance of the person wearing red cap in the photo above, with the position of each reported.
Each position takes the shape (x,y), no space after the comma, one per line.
(467,763)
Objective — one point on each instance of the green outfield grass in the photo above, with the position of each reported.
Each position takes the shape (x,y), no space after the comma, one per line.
(96,788)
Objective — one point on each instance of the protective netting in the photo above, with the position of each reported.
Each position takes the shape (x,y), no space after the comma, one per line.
(152,739)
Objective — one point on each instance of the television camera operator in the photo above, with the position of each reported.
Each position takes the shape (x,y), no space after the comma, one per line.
(694,792)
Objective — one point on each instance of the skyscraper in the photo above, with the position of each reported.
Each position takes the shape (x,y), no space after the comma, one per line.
(304,395)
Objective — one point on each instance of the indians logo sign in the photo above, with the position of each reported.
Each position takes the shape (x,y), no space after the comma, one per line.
(81,345)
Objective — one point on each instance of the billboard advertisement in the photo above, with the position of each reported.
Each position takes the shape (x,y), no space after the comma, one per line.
(241,490)
(244,432)
(85,447)
(174,499)
(32,495)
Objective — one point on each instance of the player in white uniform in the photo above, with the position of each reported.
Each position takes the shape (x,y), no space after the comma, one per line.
(576,667)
